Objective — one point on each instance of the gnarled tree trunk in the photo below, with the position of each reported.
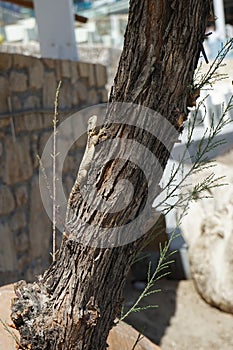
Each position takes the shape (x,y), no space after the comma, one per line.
(75,303)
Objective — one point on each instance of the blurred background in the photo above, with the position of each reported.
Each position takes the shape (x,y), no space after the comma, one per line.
(80,43)
(98,28)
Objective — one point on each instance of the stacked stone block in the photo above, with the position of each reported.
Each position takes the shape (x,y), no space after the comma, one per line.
(27,93)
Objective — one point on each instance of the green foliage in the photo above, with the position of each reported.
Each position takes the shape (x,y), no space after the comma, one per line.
(182,192)
(208,79)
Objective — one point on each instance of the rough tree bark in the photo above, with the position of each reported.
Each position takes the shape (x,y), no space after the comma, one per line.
(75,303)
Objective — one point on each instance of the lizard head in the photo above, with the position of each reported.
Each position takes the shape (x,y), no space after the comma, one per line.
(92,123)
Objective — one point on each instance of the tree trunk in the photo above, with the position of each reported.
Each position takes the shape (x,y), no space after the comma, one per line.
(75,303)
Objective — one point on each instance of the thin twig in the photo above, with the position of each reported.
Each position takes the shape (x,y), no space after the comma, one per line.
(12,334)
(54,156)
(139,338)
(58,216)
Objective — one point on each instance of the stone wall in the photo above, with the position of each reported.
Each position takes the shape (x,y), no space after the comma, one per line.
(27,94)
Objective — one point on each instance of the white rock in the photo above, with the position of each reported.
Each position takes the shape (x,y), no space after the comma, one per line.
(208,230)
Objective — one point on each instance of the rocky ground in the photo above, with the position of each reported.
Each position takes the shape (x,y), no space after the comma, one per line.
(123,336)
(182,321)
